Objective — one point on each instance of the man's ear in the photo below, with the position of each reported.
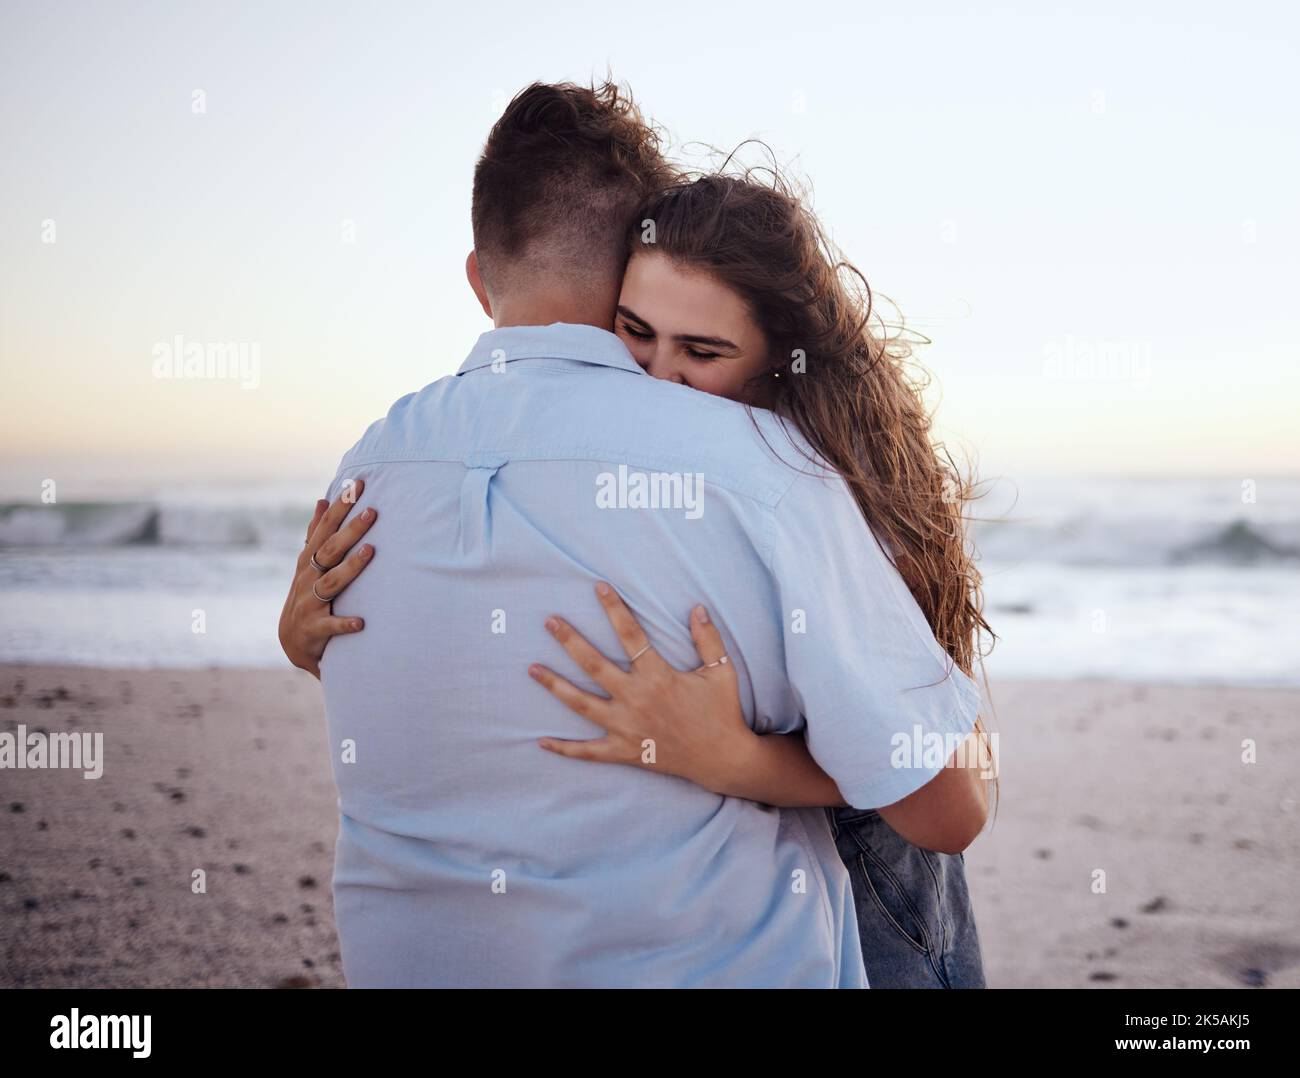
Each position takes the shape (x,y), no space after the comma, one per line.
(476,282)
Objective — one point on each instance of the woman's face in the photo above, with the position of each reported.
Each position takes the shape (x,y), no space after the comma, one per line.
(685,326)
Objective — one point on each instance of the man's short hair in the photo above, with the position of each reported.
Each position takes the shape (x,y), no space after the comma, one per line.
(559,179)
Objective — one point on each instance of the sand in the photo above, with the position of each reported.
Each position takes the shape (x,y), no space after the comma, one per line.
(227,771)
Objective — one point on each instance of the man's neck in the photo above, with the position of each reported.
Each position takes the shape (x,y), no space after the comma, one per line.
(526,311)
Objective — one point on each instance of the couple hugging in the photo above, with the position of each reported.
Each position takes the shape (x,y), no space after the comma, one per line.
(584,744)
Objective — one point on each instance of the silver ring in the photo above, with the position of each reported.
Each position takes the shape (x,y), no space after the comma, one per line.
(639,654)
(318,566)
(717,662)
(318,594)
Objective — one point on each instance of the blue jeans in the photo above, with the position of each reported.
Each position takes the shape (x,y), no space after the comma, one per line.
(913,908)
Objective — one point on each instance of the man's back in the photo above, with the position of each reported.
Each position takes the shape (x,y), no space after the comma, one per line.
(467,854)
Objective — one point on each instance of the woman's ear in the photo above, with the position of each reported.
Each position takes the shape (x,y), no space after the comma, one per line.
(476,282)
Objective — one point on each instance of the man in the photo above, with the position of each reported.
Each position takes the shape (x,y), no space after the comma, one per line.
(468,856)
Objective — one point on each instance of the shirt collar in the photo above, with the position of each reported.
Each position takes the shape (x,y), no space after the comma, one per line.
(560,340)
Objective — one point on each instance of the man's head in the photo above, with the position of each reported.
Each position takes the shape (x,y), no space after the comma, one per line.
(554,192)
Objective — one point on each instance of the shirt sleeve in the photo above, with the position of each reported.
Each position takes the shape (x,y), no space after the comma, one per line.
(884,704)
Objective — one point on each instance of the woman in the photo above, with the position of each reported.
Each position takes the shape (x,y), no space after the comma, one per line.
(732,288)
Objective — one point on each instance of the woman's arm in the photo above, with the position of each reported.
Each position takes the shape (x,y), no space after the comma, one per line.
(778,769)
(948,812)
(690,723)
(307,621)
(680,722)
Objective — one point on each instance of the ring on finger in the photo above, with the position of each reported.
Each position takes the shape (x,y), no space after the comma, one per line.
(319,595)
(318,566)
(716,662)
(639,654)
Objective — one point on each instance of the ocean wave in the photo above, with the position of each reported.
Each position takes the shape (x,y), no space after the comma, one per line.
(137,524)
(1152,542)
(1089,536)
(1237,544)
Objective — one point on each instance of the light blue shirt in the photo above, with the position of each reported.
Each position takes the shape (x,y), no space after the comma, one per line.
(469,856)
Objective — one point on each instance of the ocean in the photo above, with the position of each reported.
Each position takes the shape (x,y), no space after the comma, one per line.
(1193,580)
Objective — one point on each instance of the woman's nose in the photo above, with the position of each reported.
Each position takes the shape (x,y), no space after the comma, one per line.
(659,366)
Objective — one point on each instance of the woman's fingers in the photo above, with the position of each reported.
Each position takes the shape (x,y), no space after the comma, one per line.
(630,634)
(333,516)
(337,626)
(332,583)
(601,749)
(708,641)
(334,549)
(321,506)
(308,551)
(603,672)
(586,704)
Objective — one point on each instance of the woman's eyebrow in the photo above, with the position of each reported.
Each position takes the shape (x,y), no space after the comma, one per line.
(627,312)
(710,342)
(681,338)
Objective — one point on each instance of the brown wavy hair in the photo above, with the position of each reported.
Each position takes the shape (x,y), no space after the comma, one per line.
(858,397)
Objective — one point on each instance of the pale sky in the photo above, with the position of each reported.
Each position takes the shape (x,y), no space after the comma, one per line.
(1031,187)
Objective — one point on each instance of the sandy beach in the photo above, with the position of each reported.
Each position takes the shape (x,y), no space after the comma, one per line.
(227,772)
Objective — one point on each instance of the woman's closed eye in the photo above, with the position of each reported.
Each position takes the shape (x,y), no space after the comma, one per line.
(637,334)
(645,335)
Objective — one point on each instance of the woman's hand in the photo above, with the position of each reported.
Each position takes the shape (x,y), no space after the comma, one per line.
(686,723)
(307,621)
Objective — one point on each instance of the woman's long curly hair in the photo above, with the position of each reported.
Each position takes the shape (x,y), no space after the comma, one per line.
(853,392)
